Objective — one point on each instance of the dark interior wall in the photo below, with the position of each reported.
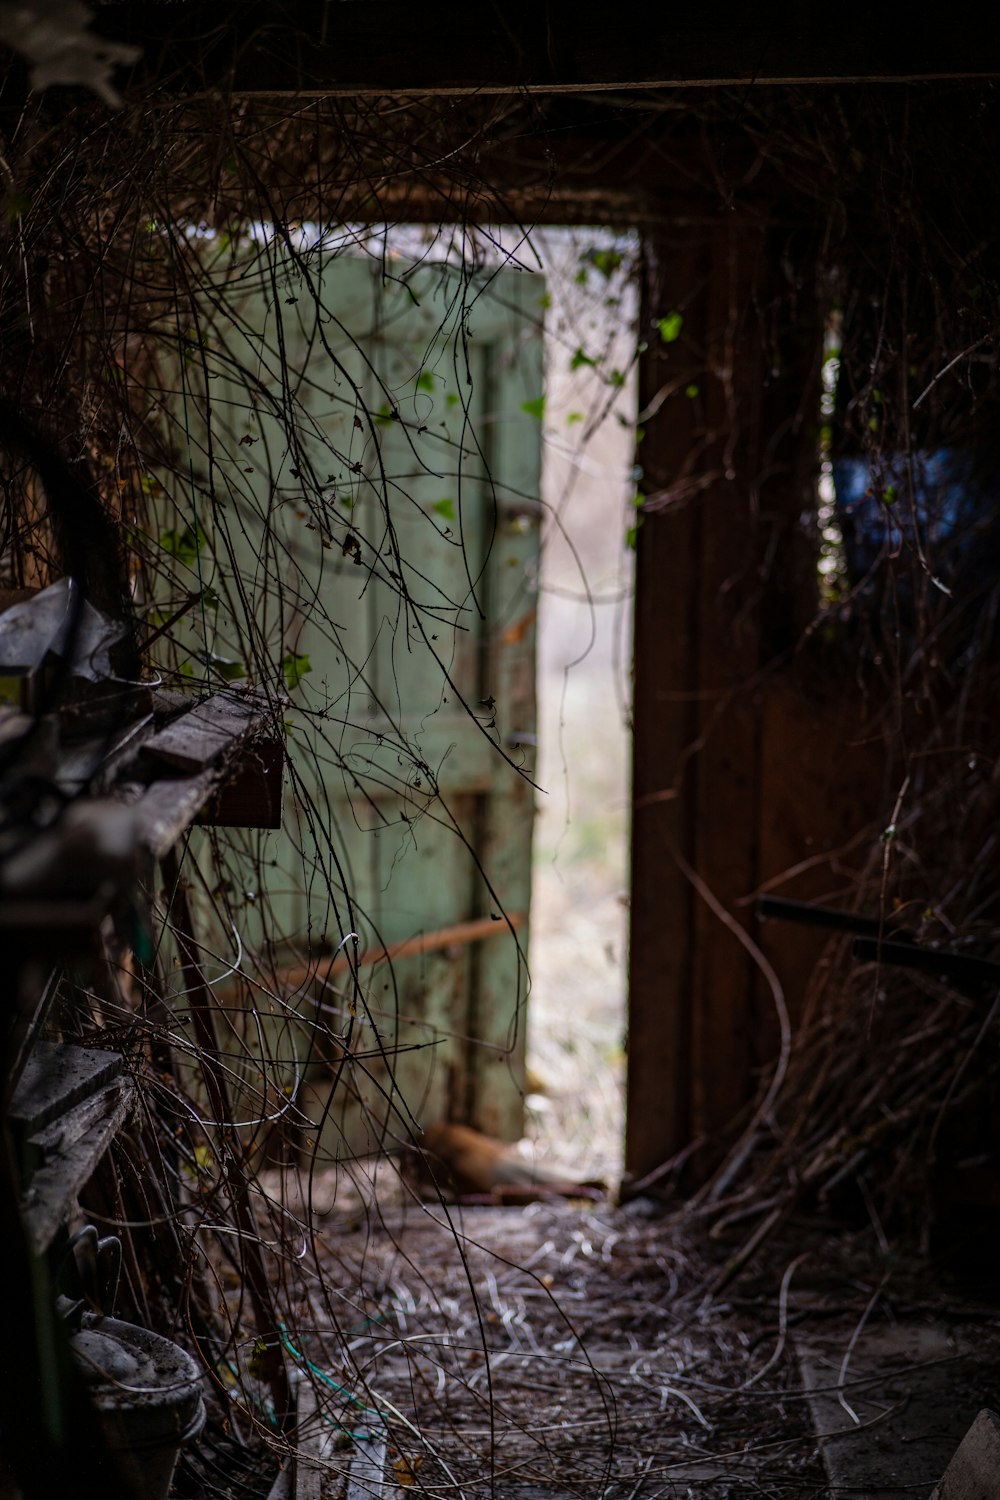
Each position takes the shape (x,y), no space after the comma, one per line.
(747,197)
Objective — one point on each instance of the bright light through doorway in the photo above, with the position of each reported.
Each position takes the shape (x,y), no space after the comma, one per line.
(579,911)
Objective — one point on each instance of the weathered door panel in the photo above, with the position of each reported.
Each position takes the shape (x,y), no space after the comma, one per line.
(402,523)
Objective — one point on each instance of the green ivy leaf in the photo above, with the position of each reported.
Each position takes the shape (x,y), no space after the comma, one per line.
(691,390)
(617,379)
(581,358)
(573,417)
(293,669)
(535,408)
(445,508)
(185,545)
(228,669)
(670,327)
(605,261)
(425,381)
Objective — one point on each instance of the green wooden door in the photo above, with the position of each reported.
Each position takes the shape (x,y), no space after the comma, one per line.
(376,476)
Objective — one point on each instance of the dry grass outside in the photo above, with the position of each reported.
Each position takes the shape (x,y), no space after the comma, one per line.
(576,1025)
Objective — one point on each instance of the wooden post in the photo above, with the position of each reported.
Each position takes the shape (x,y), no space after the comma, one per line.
(230,1150)
(727,409)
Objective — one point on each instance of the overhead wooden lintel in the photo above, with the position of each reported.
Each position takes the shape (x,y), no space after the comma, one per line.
(311,47)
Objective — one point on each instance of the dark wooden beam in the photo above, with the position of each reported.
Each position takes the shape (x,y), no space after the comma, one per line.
(729,412)
(312,47)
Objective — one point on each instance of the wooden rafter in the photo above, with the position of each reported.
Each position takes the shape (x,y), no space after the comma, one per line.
(310,47)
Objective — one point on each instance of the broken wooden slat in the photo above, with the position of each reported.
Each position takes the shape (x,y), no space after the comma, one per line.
(230,782)
(198,738)
(167,809)
(57,1077)
(70,1149)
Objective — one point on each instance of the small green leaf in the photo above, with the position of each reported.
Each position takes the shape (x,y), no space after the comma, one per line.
(452,399)
(535,408)
(670,327)
(545,301)
(445,508)
(184,545)
(573,417)
(425,381)
(385,415)
(692,390)
(617,379)
(890,495)
(293,669)
(225,667)
(605,261)
(228,669)
(581,358)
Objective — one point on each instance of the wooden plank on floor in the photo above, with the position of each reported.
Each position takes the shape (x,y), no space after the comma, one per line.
(890,1417)
(318,1442)
(367,1478)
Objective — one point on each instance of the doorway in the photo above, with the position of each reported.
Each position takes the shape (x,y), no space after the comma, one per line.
(456,415)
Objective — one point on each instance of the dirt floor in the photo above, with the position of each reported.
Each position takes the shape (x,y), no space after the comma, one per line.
(549,1351)
(562,1350)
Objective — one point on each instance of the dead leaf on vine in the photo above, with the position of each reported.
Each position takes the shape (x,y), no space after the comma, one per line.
(405,1470)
